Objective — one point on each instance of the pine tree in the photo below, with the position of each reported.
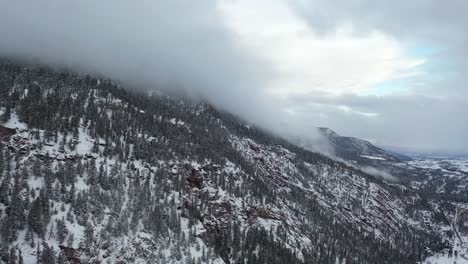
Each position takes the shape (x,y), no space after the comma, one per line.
(70,240)
(29,237)
(1,160)
(38,218)
(8,231)
(89,234)
(48,254)
(12,259)
(4,189)
(20,257)
(62,231)
(6,116)
(38,254)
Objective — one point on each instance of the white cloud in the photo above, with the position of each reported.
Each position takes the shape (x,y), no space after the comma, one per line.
(337,62)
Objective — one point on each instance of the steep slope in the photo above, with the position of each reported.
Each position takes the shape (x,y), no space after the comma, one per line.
(364,155)
(355,149)
(93,173)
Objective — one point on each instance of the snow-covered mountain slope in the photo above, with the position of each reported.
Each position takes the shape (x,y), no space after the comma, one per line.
(443,177)
(363,155)
(92,173)
(355,149)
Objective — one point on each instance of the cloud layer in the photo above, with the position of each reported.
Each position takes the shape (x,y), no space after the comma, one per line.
(177,44)
(388,72)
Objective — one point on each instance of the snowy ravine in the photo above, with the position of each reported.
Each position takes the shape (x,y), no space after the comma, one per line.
(92,173)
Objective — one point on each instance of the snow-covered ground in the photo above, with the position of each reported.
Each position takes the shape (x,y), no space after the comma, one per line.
(461,256)
(442,164)
(446,174)
(15,123)
(445,259)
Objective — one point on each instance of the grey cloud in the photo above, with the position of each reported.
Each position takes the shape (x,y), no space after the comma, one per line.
(418,24)
(417,19)
(184,45)
(180,45)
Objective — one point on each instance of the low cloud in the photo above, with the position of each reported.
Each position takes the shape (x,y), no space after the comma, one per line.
(379,173)
(290,68)
(175,45)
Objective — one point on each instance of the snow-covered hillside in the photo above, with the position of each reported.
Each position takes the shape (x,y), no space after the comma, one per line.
(92,173)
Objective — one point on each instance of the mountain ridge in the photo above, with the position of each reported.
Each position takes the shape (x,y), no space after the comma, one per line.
(351,148)
(98,173)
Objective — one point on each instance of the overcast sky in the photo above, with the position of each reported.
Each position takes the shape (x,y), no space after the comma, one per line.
(391,72)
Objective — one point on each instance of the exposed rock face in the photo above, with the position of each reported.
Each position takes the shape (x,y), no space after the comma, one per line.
(6,132)
(195,180)
(71,254)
